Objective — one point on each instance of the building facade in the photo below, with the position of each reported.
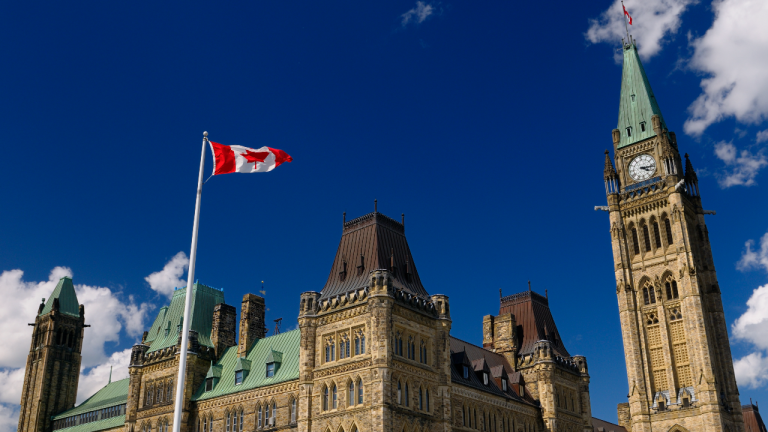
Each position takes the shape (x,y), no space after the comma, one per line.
(679,366)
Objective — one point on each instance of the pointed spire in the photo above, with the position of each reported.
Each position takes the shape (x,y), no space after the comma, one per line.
(608,171)
(64,296)
(637,104)
(690,174)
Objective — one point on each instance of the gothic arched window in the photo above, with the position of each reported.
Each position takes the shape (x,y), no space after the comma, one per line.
(351,394)
(656,234)
(646,239)
(646,299)
(335,400)
(293,410)
(359,391)
(399,393)
(325,398)
(258,417)
(668,228)
(635,242)
(674,289)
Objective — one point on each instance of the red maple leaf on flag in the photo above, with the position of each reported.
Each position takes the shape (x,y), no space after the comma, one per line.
(254,157)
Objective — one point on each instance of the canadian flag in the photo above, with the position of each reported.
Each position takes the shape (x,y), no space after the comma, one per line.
(235,158)
(627,14)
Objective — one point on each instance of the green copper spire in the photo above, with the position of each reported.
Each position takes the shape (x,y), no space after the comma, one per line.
(67,299)
(638,104)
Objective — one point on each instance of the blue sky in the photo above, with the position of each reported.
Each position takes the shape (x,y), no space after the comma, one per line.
(485,123)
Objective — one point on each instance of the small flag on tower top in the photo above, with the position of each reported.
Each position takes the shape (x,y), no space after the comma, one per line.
(235,158)
(627,13)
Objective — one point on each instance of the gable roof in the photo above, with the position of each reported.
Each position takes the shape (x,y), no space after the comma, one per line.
(169,317)
(604,426)
(287,343)
(637,103)
(65,292)
(100,425)
(534,321)
(368,243)
(110,395)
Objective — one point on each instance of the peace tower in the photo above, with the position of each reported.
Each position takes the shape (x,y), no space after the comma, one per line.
(678,358)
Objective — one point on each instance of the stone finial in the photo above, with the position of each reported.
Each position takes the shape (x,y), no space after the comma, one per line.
(608,171)
(690,173)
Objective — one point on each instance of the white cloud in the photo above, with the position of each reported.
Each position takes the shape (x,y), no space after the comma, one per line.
(762,136)
(754,258)
(741,168)
(752,326)
(168,278)
(652,21)
(751,370)
(729,54)
(11,381)
(9,418)
(418,14)
(98,376)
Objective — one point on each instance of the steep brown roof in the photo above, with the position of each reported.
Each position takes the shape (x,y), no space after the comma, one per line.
(604,426)
(534,321)
(368,243)
(752,420)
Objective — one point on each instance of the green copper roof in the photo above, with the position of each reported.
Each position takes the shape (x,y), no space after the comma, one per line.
(275,357)
(164,332)
(65,292)
(287,343)
(637,104)
(100,425)
(112,394)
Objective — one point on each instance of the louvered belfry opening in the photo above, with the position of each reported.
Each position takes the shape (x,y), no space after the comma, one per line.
(372,242)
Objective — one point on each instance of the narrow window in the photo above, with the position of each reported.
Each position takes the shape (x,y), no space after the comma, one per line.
(674,289)
(656,234)
(407,402)
(652,293)
(327,353)
(662,407)
(629,131)
(399,394)
(335,401)
(238,377)
(268,416)
(169,396)
(362,344)
(466,372)
(208,386)
(635,242)
(270,370)
(234,422)
(325,399)
(668,227)
(357,346)
(347,348)
(421,399)
(351,394)
(229,420)
(642,126)
(205,424)
(485,378)
(258,418)
(333,352)
(504,384)
(646,299)
(646,238)
(427,400)
(686,403)
(274,413)
(400,343)
(293,411)
(669,291)
(241,420)
(522,390)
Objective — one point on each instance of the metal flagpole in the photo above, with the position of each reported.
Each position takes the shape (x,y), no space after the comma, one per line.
(180,381)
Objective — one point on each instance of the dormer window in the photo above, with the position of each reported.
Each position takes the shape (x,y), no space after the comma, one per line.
(208,384)
(238,377)
(522,390)
(642,126)
(270,370)
(485,378)
(504,384)
(633,98)
(466,372)
(629,131)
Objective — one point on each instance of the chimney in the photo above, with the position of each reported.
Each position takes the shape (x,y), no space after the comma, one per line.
(252,326)
(223,328)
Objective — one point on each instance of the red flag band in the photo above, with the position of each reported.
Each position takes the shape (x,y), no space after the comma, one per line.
(229,159)
(627,14)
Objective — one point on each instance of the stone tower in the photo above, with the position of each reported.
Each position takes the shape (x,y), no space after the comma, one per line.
(53,363)
(678,358)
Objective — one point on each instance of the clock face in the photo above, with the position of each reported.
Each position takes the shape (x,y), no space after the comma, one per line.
(642,167)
